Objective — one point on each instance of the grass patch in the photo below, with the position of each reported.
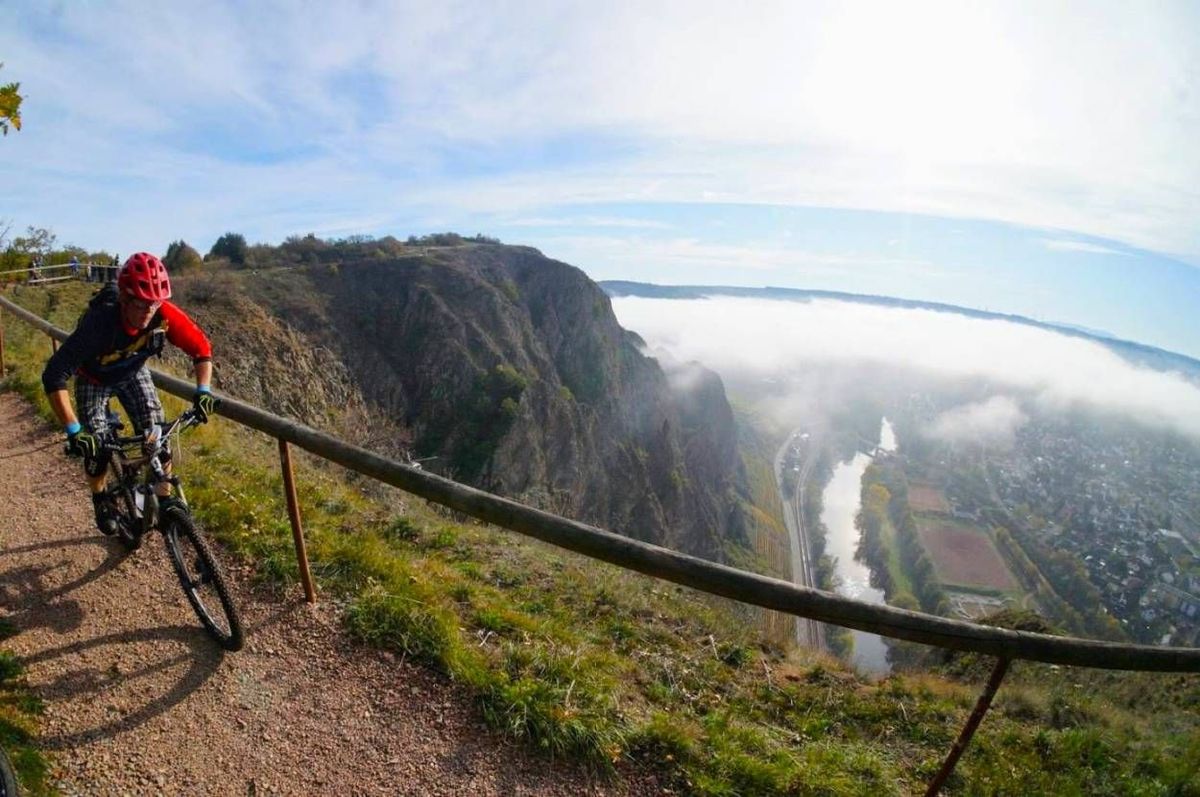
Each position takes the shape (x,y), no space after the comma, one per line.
(896,569)
(19,713)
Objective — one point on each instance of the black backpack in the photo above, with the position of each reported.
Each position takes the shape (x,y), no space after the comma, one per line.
(105,300)
(105,297)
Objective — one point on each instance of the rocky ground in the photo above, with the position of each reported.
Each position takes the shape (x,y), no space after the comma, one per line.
(139,700)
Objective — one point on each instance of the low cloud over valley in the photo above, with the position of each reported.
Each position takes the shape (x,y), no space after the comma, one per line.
(765,339)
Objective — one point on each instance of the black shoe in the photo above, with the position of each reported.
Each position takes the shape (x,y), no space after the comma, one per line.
(106,514)
(170,503)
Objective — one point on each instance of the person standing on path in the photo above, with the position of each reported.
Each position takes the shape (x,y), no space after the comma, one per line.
(123,326)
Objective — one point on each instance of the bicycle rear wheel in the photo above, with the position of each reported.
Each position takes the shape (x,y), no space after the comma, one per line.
(201,579)
(129,525)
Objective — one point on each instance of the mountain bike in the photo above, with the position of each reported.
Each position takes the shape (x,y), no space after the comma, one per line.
(135,467)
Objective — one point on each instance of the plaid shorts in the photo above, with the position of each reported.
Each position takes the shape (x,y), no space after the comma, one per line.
(136,394)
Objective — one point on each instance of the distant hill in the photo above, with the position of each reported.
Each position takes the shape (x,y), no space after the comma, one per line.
(1138,353)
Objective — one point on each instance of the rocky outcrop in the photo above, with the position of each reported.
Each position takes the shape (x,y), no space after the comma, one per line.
(512,370)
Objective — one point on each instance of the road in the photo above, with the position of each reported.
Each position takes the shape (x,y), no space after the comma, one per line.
(809,633)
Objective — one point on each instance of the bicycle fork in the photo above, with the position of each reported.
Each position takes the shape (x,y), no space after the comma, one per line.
(147,504)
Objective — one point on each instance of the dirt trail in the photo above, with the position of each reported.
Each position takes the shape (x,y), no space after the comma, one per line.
(140,701)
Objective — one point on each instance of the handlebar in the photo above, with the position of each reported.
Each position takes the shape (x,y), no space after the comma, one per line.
(185,420)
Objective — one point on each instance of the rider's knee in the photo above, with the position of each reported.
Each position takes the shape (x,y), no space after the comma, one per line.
(97,465)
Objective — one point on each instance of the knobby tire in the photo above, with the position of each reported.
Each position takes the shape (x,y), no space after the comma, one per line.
(196,568)
(129,525)
(8,777)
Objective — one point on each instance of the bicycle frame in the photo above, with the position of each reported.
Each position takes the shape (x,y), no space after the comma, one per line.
(137,476)
(138,511)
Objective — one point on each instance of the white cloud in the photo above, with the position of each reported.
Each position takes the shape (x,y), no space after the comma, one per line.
(691,261)
(794,338)
(1067,245)
(590,221)
(994,110)
(992,422)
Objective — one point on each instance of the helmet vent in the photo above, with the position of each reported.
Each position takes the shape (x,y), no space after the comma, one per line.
(144,277)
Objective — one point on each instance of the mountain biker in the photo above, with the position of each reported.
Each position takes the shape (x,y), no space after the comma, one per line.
(123,326)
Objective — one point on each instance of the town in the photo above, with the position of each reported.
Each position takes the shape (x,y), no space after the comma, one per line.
(1105,508)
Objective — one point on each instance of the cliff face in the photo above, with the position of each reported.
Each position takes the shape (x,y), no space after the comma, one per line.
(510,369)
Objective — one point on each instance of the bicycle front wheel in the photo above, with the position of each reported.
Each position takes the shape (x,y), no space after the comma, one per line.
(8,777)
(201,578)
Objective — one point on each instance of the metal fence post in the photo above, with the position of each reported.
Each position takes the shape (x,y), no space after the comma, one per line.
(3,373)
(964,737)
(293,504)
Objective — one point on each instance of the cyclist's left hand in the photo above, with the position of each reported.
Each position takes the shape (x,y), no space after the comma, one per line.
(82,444)
(205,404)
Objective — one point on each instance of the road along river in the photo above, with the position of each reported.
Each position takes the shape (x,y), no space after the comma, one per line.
(803,448)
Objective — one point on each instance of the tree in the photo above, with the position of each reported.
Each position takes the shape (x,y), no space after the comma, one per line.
(10,106)
(22,249)
(35,241)
(64,255)
(181,257)
(231,246)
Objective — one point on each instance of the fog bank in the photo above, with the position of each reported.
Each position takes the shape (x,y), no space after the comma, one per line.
(774,338)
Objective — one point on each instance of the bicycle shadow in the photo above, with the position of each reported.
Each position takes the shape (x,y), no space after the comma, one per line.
(112,681)
(199,658)
(29,590)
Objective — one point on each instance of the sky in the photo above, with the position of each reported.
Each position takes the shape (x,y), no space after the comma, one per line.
(1028,157)
(1025,366)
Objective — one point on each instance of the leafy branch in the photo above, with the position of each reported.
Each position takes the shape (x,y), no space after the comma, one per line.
(10,106)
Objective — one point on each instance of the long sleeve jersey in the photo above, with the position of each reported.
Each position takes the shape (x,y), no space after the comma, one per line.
(104,351)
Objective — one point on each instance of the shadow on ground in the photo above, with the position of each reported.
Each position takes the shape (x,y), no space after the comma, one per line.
(28,591)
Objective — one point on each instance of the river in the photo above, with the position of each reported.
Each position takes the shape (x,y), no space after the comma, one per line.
(840,504)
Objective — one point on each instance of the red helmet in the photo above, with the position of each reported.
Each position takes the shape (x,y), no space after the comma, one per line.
(144,277)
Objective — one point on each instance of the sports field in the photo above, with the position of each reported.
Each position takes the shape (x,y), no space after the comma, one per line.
(927,498)
(964,556)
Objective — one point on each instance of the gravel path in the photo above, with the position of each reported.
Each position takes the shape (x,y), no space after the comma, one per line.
(140,701)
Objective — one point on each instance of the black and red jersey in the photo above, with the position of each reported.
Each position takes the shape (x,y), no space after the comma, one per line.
(104,351)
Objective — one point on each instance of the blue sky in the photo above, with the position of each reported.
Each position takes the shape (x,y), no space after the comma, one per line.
(1037,158)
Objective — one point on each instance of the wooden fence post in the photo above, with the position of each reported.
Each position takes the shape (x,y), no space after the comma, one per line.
(293,504)
(964,738)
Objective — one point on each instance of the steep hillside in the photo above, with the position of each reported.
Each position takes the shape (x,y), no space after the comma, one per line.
(506,367)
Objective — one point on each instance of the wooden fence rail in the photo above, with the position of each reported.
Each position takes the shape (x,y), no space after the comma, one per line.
(752,588)
(62,272)
(680,568)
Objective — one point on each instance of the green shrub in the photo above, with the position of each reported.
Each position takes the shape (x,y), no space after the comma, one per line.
(403,529)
